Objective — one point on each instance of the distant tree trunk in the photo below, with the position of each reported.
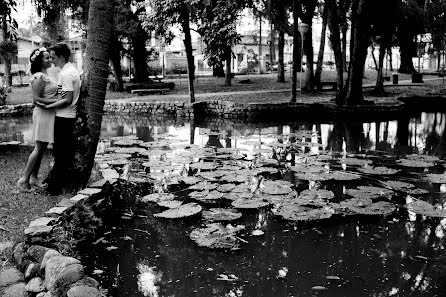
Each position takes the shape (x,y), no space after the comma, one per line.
(280,63)
(308,43)
(228,68)
(218,71)
(372,52)
(272,46)
(389,52)
(344,30)
(361,33)
(333,24)
(406,50)
(320,56)
(439,61)
(7,59)
(297,55)
(115,57)
(185,22)
(140,55)
(379,86)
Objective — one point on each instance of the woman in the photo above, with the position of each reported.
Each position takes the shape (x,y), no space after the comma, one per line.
(44,90)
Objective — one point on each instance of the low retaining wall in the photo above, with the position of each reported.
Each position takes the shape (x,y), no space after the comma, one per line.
(18,110)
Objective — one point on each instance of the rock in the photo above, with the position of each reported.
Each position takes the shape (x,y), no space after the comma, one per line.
(40,222)
(89,191)
(17,290)
(78,197)
(32,270)
(50,253)
(38,231)
(36,252)
(20,255)
(56,211)
(60,272)
(10,276)
(87,281)
(35,285)
(83,291)
(6,249)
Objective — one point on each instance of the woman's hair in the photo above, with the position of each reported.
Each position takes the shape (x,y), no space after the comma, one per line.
(36,59)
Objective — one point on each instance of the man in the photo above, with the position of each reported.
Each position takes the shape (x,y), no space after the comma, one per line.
(69,85)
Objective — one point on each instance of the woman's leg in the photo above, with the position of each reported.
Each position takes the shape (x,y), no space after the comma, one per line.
(33,180)
(33,158)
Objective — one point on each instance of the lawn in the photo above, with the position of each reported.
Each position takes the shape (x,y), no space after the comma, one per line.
(209,84)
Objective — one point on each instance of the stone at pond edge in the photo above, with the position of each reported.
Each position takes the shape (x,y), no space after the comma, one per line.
(48,254)
(35,285)
(87,281)
(20,256)
(17,290)
(6,249)
(61,271)
(32,270)
(10,276)
(83,291)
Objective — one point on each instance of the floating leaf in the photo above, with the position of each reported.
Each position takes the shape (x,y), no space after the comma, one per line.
(204,166)
(344,176)
(221,214)
(170,203)
(316,194)
(275,189)
(184,210)
(216,235)
(191,180)
(377,208)
(130,150)
(204,185)
(397,185)
(356,202)
(355,161)
(254,202)
(314,176)
(436,178)
(415,163)
(225,188)
(294,212)
(158,197)
(210,197)
(239,195)
(127,142)
(370,192)
(378,170)
(234,178)
(426,158)
(426,209)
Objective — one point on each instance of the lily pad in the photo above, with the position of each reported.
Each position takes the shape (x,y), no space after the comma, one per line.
(217,236)
(225,188)
(185,210)
(378,170)
(191,180)
(221,214)
(377,208)
(295,212)
(344,176)
(415,163)
(322,176)
(355,161)
(436,178)
(158,197)
(204,166)
(316,194)
(277,188)
(426,209)
(370,192)
(254,202)
(210,197)
(398,185)
(170,203)
(130,150)
(204,185)
(234,178)
(128,142)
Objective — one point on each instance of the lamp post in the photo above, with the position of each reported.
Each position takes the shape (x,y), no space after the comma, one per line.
(303,28)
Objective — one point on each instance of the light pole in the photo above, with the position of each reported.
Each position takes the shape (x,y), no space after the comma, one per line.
(303,28)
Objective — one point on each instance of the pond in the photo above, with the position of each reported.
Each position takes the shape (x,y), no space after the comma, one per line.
(307,209)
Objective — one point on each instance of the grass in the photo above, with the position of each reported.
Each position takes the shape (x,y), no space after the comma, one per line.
(19,208)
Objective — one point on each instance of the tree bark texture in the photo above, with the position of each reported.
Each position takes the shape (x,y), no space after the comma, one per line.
(98,56)
(7,60)
(307,18)
(320,56)
(280,62)
(379,85)
(115,57)
(140,56)
(361,33)
(185,22)
(297,55)
(228,68)
(333,24)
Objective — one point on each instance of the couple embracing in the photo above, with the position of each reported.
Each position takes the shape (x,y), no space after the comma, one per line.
(54,114)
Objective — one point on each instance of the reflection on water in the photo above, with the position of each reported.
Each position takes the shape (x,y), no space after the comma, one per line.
(399,255)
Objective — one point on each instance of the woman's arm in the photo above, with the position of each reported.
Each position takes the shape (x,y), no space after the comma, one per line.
(66,100)
(37,88)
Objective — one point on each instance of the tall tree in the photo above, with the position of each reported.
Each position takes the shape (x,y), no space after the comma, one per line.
(8,36)
(163,16)
(435,21)
(320,57)
(100,29)
(308,11)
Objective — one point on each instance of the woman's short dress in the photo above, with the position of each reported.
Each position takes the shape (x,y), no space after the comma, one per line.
(43,119)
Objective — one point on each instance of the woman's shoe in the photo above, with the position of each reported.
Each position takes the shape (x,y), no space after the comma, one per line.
(23,185)
(37,184)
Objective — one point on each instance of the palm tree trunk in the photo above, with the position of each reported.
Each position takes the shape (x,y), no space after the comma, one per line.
(99,38)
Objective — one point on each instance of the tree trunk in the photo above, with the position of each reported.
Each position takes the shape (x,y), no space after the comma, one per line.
(297,55)
(361,33)
(272,46)
(379,86)
(406,50)
(389,52)
(308,43)
(188,45)
(115,57)
(372,52)
(333,24)
(320,56)
(99,38)
(280,63)
(7,59)
(344,30)
(228,68)
(140,56)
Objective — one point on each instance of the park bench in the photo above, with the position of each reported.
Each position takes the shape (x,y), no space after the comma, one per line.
(332,86)
(149,91)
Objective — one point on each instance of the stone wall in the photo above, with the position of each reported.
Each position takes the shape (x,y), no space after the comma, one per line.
(18,110)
